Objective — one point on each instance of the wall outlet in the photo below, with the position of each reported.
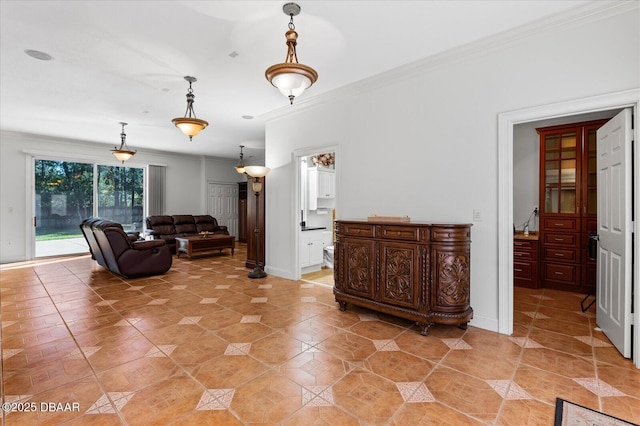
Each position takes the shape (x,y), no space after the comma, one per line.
(477,215)
(535,209)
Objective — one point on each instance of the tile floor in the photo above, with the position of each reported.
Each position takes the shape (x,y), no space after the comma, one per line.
(203,344)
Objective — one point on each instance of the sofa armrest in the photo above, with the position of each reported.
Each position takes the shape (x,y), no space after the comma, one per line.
(133,236)
(222,228)
(149,244)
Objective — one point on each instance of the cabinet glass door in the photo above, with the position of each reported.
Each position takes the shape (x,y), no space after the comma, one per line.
(560,167)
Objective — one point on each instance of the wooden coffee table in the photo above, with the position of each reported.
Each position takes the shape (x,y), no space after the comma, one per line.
(199,243)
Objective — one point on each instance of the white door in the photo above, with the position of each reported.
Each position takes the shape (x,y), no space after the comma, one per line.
(614,294)
(222,203)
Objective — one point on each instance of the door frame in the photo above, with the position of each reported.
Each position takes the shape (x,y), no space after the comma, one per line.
(506,123)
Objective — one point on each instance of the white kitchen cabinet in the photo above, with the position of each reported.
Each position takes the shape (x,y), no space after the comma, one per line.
(322,188)
(312,245)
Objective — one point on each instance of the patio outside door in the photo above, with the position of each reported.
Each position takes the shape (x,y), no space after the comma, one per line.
(63,198)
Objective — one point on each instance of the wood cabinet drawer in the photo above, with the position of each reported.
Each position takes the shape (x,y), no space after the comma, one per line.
(524,255)
(524,245)
(398,232)
(450,233)
(568,224)
(567,273)
(356,229)
(523,269)
(565,239)
(525,274)
(560,254)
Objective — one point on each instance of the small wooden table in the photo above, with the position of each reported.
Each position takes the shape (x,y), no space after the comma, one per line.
(199,243)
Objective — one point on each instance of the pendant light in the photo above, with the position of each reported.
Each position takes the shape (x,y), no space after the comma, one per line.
(241,166)
(291,77)
(189,124)
(123,153)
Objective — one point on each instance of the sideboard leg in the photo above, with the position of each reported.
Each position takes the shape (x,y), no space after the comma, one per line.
(343,306)
(424,328)
(464,325)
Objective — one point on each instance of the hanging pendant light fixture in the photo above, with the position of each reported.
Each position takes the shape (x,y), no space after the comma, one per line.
(189,124)
(291,77)
(241,166)
(123,153)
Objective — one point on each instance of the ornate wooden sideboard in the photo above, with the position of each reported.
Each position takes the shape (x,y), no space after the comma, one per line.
(411,270)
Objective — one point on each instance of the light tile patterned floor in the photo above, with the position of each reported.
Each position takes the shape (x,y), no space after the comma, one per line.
(204,344)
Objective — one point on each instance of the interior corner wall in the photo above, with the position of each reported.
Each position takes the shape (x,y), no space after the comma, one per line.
(424,143)
(183,180)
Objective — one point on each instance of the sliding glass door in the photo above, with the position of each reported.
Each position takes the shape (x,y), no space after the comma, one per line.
(67,192)
(63,198)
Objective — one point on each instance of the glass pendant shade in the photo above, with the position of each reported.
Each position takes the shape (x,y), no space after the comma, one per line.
(257,171)
(291,84)
(190,126)
(123,155)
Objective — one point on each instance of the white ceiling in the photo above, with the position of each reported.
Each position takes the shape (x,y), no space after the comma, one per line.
(125,60)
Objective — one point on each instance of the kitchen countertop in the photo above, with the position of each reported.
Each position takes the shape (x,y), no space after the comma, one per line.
(519,235)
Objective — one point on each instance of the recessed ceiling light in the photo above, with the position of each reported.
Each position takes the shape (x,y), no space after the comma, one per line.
(248,117)
(36,54)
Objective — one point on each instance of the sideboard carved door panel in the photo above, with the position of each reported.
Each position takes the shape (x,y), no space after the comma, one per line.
(400,275)
(359,268)
(450,291)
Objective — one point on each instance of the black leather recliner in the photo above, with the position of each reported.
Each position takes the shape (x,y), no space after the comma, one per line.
(116,251)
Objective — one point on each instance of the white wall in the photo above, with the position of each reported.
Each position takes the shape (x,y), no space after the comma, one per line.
(186,181)
(422,141)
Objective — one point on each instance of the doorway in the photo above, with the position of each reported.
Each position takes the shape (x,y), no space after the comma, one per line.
(555,261)
(315,168)
(506,123)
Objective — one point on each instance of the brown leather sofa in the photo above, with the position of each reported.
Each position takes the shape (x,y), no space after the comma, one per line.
(121,254)
(167,228)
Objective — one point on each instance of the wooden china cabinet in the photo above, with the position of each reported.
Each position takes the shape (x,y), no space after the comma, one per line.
(568,205)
